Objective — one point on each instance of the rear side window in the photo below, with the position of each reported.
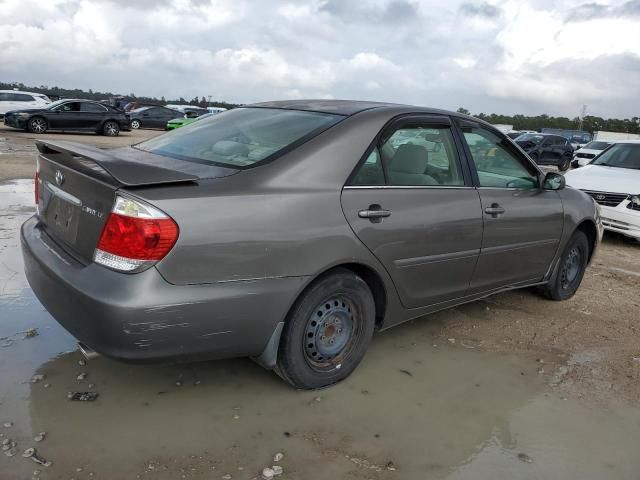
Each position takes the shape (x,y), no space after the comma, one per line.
(416,155)
(20,97)
(92,107)
(242,137)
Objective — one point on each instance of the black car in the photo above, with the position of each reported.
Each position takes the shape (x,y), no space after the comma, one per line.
(69,114)
(546,149)
(153,117)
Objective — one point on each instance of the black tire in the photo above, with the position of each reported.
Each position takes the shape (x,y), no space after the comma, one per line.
(564,166)
(314,352)
(37,125)
(135,124)
(570,269)
(111,128)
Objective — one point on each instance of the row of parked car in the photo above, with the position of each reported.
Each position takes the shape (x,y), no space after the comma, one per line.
(37,114)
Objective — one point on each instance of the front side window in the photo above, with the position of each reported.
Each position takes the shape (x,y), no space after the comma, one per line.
(497,165)
(621,155)
(241,137)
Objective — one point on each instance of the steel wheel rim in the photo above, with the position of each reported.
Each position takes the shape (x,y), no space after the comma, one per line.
(37,125)
(571,267)
(330,332)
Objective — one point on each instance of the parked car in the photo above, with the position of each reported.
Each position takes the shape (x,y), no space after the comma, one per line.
(613,180)
(188,118)
(290,231)
(584,155)
(70,115)
(577,138)
(546,149)
(152,117)
(17,100)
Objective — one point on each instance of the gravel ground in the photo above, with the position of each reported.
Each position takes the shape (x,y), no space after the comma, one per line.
(514,386)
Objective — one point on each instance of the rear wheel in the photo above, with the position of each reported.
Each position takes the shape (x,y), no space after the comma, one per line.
(37,125)
(111,129)
(135,124)
(327,332)
(571,268)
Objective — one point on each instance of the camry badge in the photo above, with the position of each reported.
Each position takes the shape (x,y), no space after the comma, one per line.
(59,177)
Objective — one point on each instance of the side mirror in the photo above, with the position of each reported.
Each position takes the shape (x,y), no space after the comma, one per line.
(553,181)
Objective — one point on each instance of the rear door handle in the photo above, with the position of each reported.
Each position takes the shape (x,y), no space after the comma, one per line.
(375,213)
(494,210)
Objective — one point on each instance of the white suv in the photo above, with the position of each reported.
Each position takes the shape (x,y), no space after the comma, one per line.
(17,100)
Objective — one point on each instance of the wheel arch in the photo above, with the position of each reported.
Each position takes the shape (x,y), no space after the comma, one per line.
(590,230)
(267,359)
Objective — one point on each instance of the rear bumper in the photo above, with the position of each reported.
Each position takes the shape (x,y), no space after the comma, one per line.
(141,317)
(622,220)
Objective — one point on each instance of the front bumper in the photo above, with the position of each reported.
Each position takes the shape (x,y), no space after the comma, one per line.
(15,122)
(142,317)
(621,219)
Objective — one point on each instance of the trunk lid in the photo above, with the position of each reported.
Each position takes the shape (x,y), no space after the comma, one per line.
(77,185)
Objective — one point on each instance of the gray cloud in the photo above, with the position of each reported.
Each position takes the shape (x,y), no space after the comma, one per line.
(478,55)
(596,11)
(484,9)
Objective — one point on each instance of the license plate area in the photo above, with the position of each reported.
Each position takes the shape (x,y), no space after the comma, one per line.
(61,213)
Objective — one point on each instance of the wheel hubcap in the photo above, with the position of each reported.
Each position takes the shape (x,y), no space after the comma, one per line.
(329,332)
(111,129)
(38,125)
(571,267)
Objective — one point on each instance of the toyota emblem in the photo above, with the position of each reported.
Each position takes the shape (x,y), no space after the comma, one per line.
(59,177)
(598,197)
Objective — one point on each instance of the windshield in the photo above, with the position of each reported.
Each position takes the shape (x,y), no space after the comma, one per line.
(241,137)
(622,155)
(528,137)
(596,146)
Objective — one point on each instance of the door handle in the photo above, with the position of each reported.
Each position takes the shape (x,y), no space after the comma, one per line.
(375,213)
(494,210)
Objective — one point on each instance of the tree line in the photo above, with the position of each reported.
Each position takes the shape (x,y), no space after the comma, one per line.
(59,92)
(519,122)
(589,123)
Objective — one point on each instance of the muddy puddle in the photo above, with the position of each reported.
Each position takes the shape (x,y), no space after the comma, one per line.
(414,409)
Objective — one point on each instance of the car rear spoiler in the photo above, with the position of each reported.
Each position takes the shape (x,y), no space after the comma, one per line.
(111,166)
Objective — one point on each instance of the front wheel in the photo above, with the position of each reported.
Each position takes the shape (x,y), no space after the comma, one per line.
(571,268)
(135,124)
(111,129)
(37,125)
(327,332)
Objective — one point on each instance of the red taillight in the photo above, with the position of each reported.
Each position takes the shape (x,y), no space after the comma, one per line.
(135,236)
(138,238)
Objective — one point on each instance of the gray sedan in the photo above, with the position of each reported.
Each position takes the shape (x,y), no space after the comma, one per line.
(290,231)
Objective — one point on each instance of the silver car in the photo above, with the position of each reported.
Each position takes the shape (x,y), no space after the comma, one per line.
(290,231)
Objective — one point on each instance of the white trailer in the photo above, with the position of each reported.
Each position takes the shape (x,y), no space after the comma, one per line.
(614,136)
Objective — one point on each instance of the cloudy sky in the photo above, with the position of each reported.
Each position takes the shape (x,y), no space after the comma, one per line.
(503,56)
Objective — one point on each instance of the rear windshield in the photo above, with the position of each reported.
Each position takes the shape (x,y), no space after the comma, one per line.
(528,137)
(621,155)
(241,137)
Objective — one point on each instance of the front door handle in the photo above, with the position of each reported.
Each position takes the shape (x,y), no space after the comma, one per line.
(375,213)
(494,210)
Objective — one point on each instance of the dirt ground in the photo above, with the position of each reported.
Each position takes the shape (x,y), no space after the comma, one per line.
(514,386)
